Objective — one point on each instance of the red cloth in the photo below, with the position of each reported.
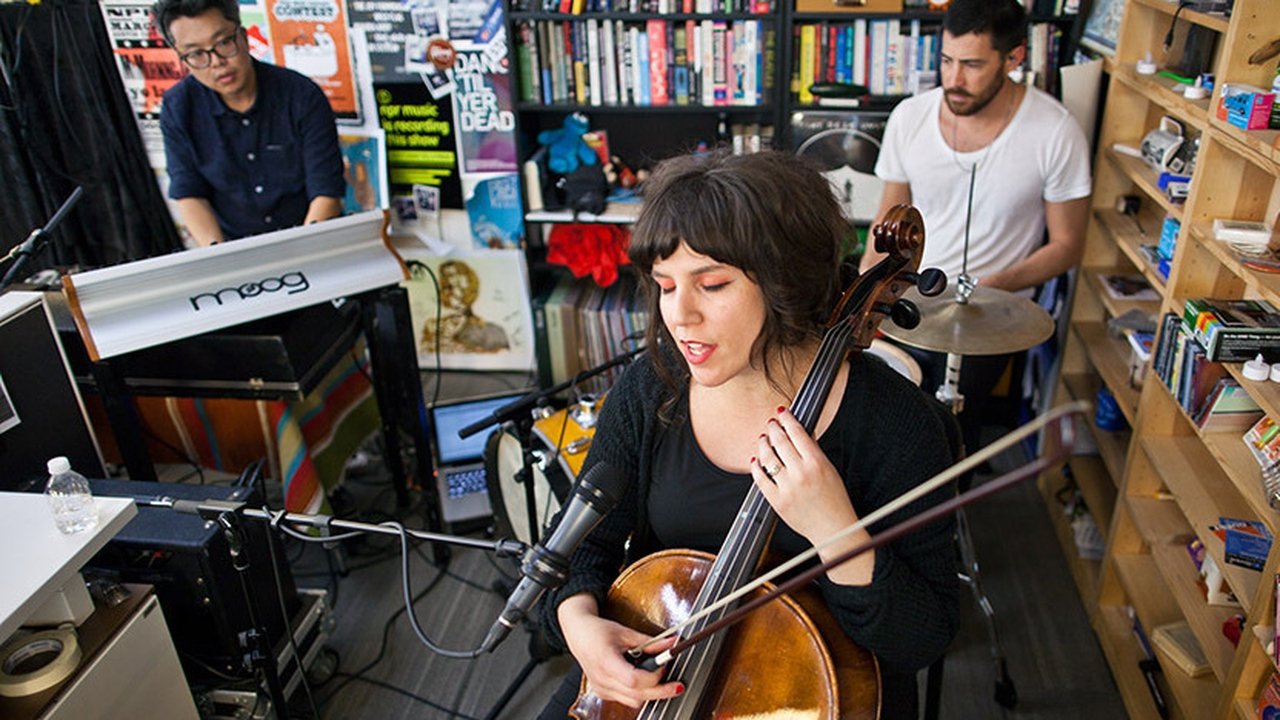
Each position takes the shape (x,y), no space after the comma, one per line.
(589,248)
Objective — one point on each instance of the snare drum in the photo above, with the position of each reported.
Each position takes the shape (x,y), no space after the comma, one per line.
(554,472)
(896,358)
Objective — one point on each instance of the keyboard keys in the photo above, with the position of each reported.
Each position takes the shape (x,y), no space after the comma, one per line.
(466,482)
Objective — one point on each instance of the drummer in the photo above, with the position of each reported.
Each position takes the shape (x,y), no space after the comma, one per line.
(992,165)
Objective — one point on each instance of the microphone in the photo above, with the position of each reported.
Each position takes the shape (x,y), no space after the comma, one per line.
(546,566)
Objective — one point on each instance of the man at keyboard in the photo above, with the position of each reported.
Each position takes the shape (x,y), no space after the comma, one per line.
(250,147)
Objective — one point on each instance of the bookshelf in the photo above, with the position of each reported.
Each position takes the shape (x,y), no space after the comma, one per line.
(1164,481)
(747,87)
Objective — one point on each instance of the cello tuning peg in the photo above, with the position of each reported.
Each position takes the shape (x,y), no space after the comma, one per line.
(905,314)
(929,282)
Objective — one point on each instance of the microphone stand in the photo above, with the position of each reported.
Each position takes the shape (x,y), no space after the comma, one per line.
(21,254)
(518,414)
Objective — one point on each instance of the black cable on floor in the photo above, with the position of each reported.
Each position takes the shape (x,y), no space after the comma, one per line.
(399,690)
(382,647)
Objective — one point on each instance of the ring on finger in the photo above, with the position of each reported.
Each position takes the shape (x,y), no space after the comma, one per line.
(772,470)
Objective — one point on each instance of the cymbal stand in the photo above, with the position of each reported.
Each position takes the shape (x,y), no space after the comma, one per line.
(949,394)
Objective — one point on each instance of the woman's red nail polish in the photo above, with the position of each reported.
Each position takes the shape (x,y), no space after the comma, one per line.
(781,408)
(679,688)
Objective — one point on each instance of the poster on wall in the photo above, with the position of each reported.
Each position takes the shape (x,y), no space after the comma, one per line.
(483,105)
(420,143)
(484,322)
(494,210)
(364,167)
(310,36)
(386,25)
(148,67)
(253,17)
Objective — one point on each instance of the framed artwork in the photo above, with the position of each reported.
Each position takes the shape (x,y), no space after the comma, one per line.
(482,320)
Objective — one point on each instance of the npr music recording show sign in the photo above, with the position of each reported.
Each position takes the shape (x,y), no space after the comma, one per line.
(142,304)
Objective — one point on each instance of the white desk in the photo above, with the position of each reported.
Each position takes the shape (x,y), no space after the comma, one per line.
(37,560)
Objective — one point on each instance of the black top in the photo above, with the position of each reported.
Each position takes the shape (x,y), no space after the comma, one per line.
(887,437)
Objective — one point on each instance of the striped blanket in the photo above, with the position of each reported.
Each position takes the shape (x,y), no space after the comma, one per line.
(307,443)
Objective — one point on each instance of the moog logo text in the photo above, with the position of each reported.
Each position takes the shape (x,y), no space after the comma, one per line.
(291,283)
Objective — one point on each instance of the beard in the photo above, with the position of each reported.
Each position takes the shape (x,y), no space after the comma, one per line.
(970,104)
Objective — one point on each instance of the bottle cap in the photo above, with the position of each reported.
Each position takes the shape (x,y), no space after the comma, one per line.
(1275,373)
(58,465)
(1147,66)
(1257,369)
(1195,92)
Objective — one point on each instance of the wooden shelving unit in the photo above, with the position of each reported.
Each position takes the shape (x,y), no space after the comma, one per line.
(1164,482)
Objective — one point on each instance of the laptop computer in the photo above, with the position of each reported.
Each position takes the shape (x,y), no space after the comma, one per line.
(460,469)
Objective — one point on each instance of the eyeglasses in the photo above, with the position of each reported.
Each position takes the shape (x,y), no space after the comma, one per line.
(226,48)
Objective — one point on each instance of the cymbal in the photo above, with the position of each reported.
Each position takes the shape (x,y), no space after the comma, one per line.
(993,322)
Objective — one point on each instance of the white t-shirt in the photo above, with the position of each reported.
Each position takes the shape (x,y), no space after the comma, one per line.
(1040,156)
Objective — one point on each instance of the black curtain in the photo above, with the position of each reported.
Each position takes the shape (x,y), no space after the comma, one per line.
(65,122)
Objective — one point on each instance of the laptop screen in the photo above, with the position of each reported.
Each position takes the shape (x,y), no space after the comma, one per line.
(448,418)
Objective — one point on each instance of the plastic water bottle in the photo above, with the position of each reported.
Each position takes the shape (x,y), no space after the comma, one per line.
(70,498)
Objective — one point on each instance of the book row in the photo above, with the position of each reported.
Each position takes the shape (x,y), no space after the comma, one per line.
(660,7)
(879,54)
(892,56)
(1212,398)
(580,325)
(1233,330)
(651,63)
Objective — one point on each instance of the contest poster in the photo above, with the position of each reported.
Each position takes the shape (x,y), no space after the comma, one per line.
(310,36)
(484,320)
(420,141)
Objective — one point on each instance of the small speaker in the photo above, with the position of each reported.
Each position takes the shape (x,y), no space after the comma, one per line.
(188,561)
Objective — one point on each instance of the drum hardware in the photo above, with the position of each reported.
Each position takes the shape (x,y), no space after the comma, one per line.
(584,411)
(535,469)
(577,446)
(977,320)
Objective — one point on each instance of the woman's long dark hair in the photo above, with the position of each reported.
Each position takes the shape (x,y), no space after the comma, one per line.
(770,214)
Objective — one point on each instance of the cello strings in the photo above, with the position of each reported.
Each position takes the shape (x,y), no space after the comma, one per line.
(955,471)
(699,660)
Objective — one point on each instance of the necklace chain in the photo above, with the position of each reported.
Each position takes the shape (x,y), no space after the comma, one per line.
(955,133)
(966,279)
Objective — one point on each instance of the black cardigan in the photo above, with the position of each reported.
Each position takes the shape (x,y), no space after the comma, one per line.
(887,438)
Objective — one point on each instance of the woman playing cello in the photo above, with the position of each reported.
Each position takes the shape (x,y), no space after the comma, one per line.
(740,260)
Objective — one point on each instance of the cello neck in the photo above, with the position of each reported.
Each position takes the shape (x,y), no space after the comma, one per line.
(744,546)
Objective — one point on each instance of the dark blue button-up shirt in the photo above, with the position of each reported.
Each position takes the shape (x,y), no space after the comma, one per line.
(259,169)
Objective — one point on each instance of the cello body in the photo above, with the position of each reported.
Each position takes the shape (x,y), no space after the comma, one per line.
(789,660)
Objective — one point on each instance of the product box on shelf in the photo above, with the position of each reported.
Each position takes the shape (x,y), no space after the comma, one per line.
(1245,106)
(1169,236)
(1233,330)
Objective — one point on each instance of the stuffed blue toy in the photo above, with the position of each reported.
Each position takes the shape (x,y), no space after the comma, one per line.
(565,147)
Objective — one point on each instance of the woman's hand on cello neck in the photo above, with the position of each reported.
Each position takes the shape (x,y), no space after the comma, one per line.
(808,494)
(600,647)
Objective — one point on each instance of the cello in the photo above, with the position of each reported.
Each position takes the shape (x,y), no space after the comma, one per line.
(789,658)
